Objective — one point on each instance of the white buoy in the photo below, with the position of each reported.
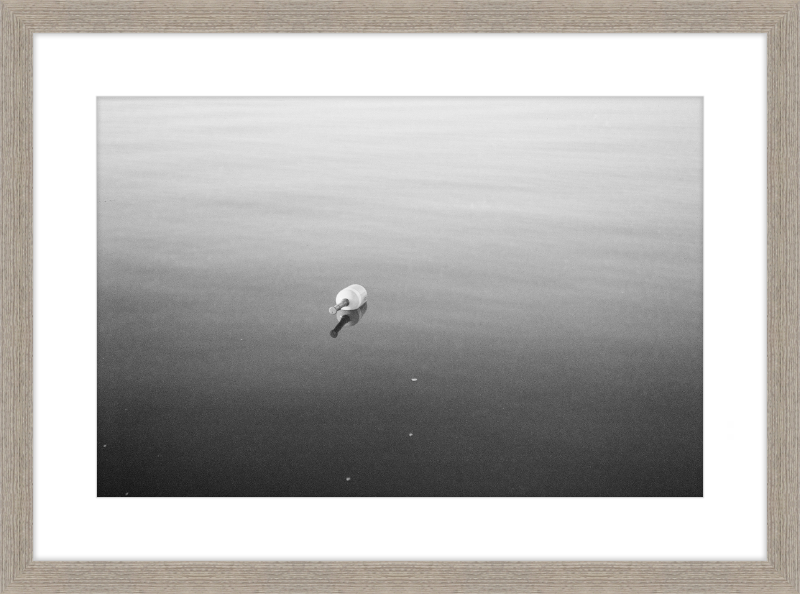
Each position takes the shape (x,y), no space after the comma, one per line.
(350,298)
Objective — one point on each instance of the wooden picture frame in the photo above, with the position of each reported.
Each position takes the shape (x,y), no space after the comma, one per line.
(779,19)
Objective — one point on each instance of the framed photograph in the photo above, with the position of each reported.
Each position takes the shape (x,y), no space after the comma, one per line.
(395,295)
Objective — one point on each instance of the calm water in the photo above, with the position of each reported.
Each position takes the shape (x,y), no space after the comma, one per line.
(535,264)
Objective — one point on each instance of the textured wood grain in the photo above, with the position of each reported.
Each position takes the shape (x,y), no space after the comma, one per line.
(384,16)
(16,255)
(620,578)
(19,19)
(782,309)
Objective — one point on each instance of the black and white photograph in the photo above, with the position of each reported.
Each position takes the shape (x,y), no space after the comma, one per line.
(400,297)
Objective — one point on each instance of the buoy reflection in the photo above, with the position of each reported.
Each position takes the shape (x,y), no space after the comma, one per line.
(348,318)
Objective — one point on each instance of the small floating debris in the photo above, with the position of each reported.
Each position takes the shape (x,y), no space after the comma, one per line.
(104,445)
(347,479)
(413,379)
(349,298)
(410,434)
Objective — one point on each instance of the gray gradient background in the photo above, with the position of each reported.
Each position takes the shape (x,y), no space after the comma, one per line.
(536,264)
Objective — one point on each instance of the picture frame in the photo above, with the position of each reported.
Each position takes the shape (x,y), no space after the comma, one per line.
(20,20)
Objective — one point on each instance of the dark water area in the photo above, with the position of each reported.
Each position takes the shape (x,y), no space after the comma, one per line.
(534,264)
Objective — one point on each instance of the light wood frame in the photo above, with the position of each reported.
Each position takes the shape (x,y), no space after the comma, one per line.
(20,19)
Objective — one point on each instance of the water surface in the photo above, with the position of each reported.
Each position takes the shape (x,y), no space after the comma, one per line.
(534,264)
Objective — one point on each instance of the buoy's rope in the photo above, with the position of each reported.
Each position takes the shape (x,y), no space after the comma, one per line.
(338,306)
